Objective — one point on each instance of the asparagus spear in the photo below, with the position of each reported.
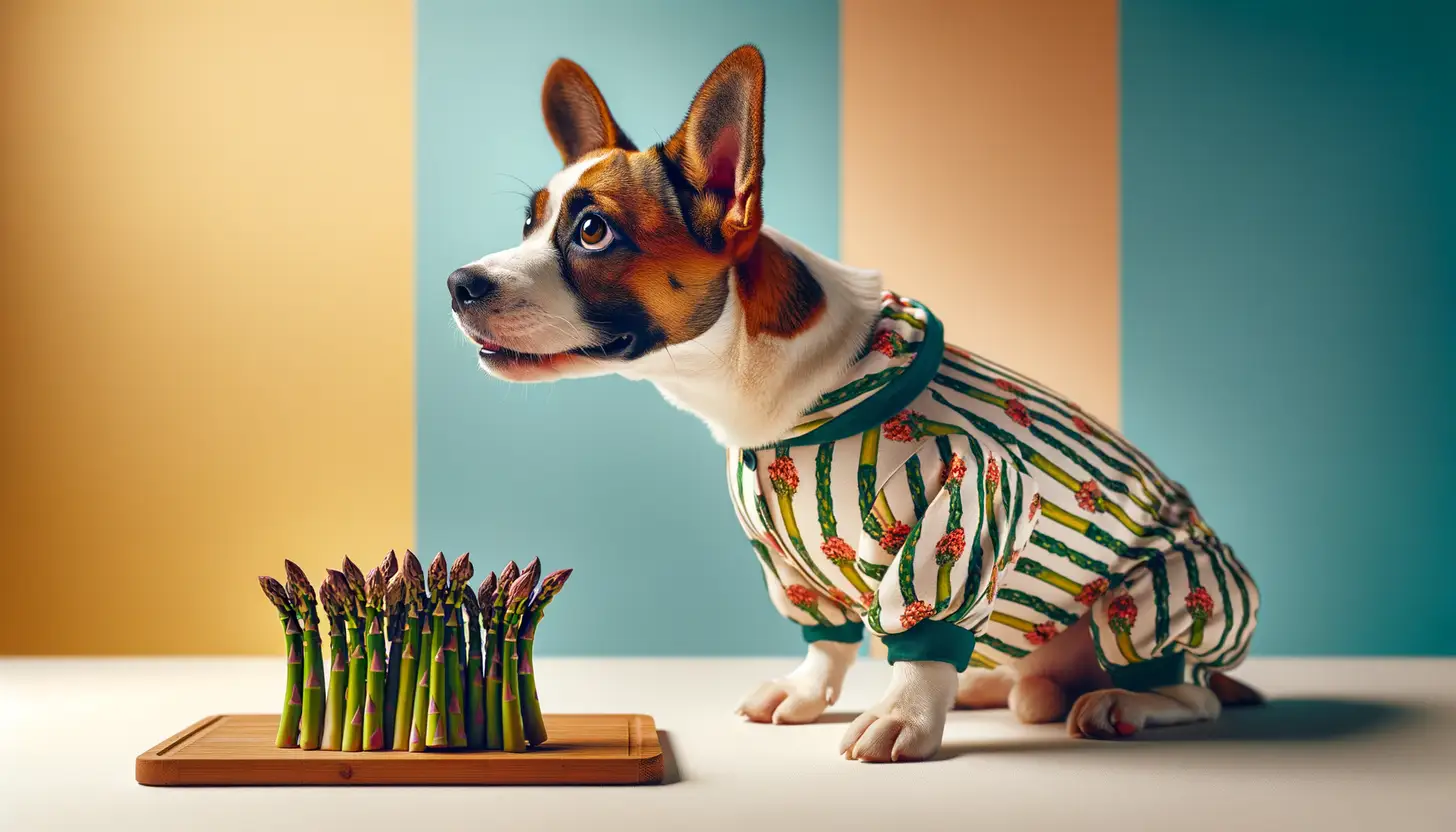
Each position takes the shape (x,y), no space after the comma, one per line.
(352,601)
(475,665)
(460,574)
(374,652)
(406,680)
(293,637)
(493,731)
(305,603)
(424,663)
(394,602)
(329,595)
(513,737)
(437,733)
(535,725)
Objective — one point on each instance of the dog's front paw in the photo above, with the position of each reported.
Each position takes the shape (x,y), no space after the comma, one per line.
(802,695)
(1106,715)
(786,701)
(907,725)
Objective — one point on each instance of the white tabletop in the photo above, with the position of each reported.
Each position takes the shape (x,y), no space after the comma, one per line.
(1349,744)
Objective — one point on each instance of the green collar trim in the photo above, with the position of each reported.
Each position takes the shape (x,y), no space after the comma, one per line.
(888,400)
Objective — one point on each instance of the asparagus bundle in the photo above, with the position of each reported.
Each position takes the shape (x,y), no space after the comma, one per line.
(293,637)
(417,660)
(305,603)
(329,595)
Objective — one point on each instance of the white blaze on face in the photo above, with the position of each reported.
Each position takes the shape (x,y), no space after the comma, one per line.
(534,311)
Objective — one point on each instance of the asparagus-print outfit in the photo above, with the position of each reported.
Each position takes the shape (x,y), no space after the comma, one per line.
(968,515)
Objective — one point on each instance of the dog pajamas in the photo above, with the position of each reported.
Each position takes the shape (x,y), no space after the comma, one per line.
(968,515)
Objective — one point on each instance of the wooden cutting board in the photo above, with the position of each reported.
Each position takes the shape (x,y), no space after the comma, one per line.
(237,750)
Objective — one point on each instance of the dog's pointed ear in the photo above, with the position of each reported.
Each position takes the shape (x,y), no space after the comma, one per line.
(576,114)
(719,150)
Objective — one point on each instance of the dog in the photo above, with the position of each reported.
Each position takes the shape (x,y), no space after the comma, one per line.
(1009,549)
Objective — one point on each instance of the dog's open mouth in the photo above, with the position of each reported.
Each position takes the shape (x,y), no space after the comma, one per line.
(615,348)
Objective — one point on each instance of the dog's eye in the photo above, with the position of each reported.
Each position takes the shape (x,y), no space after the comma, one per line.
(594,233)
(530,222)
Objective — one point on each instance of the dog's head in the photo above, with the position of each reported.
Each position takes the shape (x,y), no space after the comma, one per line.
(626,252)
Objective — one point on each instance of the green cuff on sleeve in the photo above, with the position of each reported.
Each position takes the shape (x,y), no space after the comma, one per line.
(932,641)
(850,632)
(1158,672)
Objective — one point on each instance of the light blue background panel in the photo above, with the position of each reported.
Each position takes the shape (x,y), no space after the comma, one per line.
(601,475)
(1289,262)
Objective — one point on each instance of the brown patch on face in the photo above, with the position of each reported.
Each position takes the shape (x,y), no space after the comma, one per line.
(778,295)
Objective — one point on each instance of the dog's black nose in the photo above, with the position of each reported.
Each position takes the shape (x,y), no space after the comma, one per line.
(470,284)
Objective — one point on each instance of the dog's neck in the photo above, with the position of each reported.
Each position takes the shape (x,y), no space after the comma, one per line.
(751,386)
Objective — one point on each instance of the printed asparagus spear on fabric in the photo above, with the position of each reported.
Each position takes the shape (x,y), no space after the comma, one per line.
(329,596)
(513,737)
(305,602)
(532,721)
(293,638)
(496,667)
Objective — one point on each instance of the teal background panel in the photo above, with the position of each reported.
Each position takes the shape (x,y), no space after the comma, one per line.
(601,474)
(1289,217)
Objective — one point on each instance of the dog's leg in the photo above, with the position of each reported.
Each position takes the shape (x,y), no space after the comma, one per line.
(908,723)
(1113,713)
(802,695)
(978,688)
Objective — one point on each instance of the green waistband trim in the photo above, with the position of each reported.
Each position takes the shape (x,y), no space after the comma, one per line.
(888,400)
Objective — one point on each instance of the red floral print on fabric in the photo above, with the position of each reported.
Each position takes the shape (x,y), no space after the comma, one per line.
(915,613)
(902,427)
(889,343)
(841,597)
(956,470)
(867,600)
(1091,591)
(801,596)
(950,547)
(1088,495)
(1034,508)
(894,537)
(784,475)
(1199,603)
(993,475)
(838,551)
(1122,614)
(1042,633)
(1081,424)
(1010,386)
(1018,412)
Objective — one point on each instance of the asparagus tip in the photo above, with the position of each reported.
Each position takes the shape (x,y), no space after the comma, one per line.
(275,592)
(439,573)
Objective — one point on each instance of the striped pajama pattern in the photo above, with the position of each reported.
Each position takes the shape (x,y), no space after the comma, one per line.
(967,514)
